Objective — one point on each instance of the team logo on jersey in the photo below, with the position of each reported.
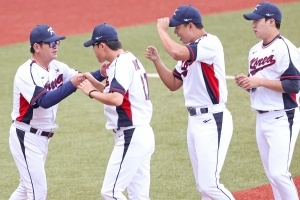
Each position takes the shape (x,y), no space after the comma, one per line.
(51,31)
(258,64)
(56,83)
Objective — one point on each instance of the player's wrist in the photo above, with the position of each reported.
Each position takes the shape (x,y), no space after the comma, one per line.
(91,93)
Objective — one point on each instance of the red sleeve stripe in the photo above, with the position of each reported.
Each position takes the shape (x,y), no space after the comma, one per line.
(37,96)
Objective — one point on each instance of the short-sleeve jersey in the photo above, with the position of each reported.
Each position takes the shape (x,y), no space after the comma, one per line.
(127,76)
(30,82)
(203,75)
(278,60)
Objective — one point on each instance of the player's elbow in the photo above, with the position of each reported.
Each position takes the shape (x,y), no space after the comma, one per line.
(176,55)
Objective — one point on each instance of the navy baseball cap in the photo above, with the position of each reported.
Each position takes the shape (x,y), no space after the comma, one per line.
(102,32)
(44,33)
(265,9)
(184,15)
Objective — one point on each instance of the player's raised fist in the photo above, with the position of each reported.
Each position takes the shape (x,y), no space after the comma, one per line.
(151,53)
(163,23)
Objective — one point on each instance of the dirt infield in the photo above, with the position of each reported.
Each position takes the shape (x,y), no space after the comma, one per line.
(69,17)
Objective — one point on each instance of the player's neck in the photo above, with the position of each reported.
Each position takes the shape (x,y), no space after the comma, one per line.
(200,34)
(270,36)
(42,63)
(113,54)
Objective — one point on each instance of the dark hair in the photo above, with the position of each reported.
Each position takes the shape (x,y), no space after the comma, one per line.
(198,26)
(277,24)
(32,49)
(113,45)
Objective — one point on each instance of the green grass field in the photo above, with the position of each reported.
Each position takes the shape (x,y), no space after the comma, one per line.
(79,151)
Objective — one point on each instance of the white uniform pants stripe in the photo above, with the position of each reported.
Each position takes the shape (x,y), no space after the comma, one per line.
(129,165)
(29,152)
(208,138)
(276,135)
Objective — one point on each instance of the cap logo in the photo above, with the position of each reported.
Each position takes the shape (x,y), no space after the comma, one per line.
(175,11)
(269,14)
(256,7)
(51,31)
(97,38)
(186,20)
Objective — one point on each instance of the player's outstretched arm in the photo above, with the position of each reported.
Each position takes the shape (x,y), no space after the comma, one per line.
(164,73)
(97,84)
(113,99)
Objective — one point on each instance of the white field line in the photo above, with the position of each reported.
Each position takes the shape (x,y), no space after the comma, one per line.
(156,76)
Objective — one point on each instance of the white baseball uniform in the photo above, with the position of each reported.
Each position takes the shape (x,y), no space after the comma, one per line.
(210,123)
(278,120)
(129,164)
(29,149)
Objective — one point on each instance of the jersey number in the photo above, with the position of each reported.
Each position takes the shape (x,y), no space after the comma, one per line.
(144,80)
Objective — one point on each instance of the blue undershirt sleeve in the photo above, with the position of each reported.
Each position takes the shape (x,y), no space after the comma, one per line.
(97,75)
(53,97)
(291,85)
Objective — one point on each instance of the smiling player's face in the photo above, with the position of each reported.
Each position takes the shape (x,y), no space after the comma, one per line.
(184,33)
(45,52)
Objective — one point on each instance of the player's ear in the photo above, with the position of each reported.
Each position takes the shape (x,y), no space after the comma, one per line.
(36,47)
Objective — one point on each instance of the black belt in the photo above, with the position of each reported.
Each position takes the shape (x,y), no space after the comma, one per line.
(265,111)
(262,111)
(43,133)
(115,130)
(193,111)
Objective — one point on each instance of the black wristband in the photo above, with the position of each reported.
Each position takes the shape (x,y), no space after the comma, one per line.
(91,92)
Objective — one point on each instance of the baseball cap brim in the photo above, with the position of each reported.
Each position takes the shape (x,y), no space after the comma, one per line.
(89,43)
(174,23)
(252,16)
(54,38)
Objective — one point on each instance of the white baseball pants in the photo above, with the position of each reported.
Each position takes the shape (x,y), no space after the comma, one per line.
(208,138)
(29,152)
(129,164)
(276,135)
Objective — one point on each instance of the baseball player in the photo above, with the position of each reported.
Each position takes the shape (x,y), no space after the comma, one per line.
(128,110)
(39,85)
(201,72)
(273,83)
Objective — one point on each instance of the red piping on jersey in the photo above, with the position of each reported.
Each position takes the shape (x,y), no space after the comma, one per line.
(37,96)
(289,76)
(24,106)
(191,53)
(47,69)
(117,90)
(126,105)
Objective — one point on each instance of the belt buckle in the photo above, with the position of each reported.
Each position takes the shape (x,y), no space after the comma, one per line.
(204,110)
(50,134)
(192,111)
